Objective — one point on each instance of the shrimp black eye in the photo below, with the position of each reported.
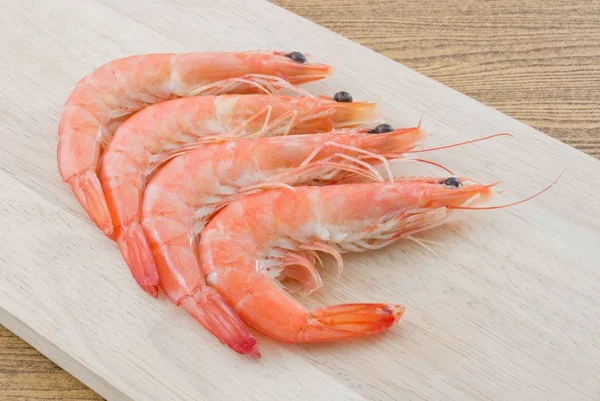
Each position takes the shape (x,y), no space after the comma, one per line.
(381,129)
(451,182)
(342,97)
(297,57)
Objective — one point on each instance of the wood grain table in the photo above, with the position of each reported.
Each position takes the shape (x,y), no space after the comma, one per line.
(537,61)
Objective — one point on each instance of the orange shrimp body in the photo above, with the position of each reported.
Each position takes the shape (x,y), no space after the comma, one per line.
(247,245)
(164,130)
(186,193)
(106,97)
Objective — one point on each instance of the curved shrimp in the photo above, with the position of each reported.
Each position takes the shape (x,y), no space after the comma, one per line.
(164,130)
(246,246)
(102,100)
(184,194)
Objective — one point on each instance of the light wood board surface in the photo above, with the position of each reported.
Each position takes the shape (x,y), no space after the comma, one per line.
(508,311)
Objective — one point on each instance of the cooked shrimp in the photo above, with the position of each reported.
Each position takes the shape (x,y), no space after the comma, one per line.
(164,130)
(102,100)
(185,193)
(249,243)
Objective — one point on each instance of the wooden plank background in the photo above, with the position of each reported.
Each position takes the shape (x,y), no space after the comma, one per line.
(538,62)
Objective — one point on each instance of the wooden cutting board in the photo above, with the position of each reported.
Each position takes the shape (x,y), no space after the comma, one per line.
(507,311)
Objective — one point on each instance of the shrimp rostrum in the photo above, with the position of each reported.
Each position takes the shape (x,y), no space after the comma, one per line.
(246,247)
(186,193)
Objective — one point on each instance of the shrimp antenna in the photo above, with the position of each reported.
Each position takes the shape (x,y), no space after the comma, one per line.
(418,160)
(509,204)
(434,164)
(460,143)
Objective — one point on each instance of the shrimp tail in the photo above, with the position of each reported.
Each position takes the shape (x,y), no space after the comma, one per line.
(216,316)
(349,320)
(136,251)
(88,191)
